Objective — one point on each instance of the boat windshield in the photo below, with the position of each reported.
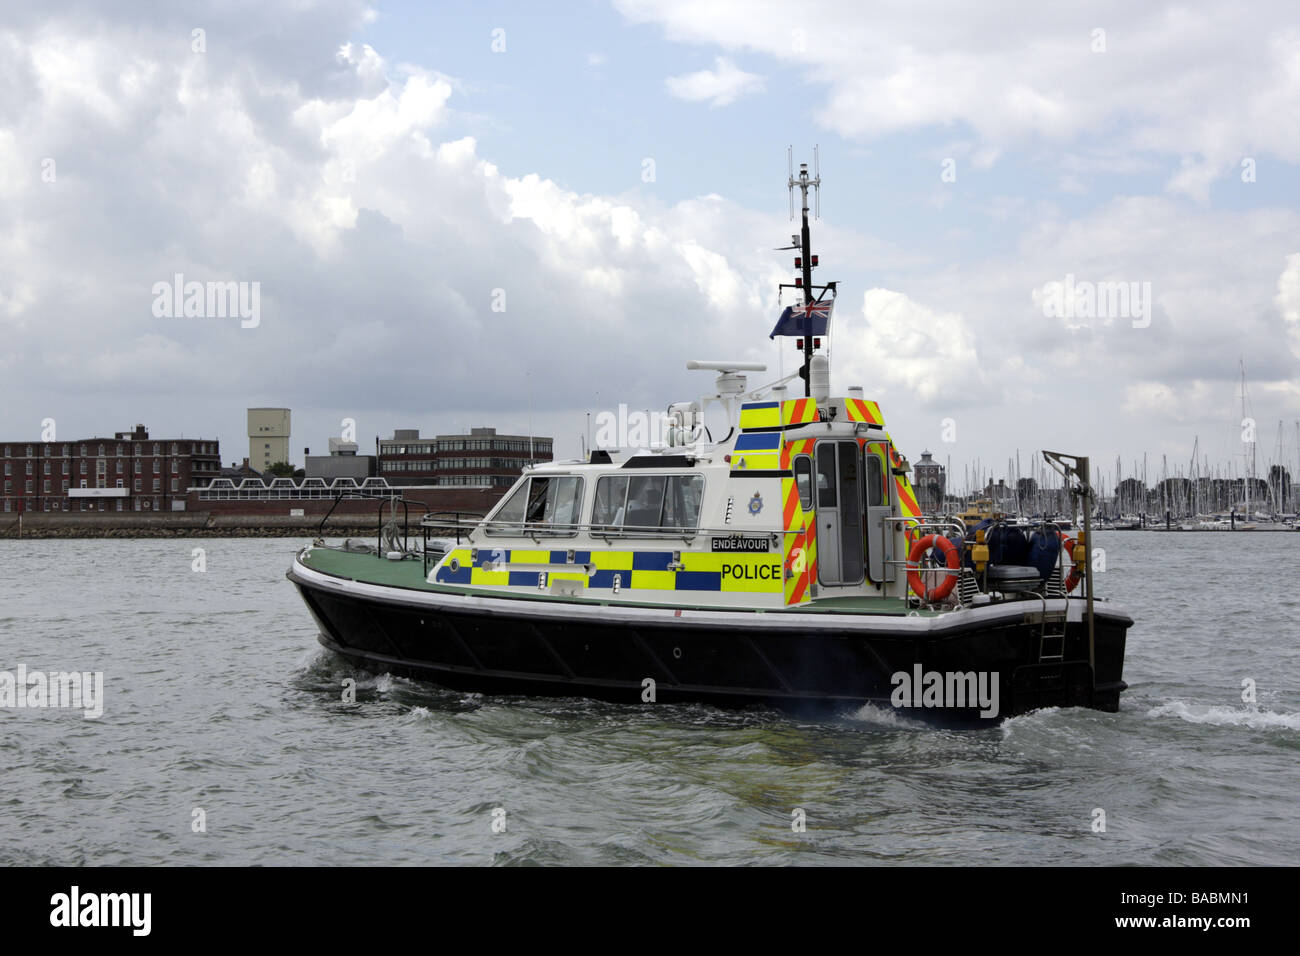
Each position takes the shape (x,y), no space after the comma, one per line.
(546,505)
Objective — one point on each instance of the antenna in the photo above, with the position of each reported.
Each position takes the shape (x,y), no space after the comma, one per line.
(817,178)
(804,183)
(789,162)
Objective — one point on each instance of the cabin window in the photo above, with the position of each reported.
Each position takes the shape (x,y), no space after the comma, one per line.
(825,475)
(541,505)
(875,481)
(803,478)
(634,503)
(682,501)
(611,495)
(645,501)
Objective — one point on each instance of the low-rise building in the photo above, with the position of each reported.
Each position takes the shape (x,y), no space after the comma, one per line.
(342,462)
(128,472)
(481,459)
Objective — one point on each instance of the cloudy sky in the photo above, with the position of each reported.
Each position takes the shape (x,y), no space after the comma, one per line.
(611,176)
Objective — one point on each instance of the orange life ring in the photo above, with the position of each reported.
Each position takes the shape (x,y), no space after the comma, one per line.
(913,572)
(1072,579)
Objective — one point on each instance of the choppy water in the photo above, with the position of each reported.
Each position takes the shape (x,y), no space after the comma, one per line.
(218,697)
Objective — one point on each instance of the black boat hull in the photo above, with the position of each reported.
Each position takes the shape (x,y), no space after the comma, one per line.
(505,647)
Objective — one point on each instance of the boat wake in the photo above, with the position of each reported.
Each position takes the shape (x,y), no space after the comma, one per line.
(886,718)
(1220,716)
(1033,719)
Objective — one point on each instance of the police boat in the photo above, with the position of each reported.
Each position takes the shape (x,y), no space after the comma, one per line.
(786,564)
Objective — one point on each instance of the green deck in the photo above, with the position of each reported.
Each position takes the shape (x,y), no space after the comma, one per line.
(369,568)
(409,573)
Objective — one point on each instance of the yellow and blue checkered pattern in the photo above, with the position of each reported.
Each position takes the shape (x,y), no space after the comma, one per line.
(642,570)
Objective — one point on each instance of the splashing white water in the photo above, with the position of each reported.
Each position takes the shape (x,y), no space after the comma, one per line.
(885,717)
(1031,719)
(1221,716)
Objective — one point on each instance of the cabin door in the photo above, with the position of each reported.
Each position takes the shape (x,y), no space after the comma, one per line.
(880,530)
(839,513)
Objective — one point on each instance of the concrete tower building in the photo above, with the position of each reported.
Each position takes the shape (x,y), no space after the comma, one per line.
(268,437)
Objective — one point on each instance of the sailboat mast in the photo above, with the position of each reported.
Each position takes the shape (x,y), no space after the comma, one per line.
(1246,482)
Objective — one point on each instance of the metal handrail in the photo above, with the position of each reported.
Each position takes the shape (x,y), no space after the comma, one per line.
(430,521)
(953,522)
(406,522)
(320,529)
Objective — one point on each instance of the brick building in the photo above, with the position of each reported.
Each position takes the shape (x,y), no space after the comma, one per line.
(477,460)
(128,472)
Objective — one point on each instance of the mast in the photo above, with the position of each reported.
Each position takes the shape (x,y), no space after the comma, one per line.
(806,259)
(1020,505)
(1164,483)
(1250,476)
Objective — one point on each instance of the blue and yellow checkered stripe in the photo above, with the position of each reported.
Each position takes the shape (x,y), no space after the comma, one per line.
(758,451)
(760,415)
(642,570)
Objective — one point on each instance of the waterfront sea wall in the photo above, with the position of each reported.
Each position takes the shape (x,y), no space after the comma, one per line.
(253,517)
(187,524)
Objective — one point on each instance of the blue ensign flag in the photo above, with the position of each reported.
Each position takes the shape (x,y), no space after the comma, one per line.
(804,320)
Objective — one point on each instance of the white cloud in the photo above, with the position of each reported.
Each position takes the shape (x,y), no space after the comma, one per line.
(1288,299)
(902,348)
(722,85)
(377,237)
(1199,87)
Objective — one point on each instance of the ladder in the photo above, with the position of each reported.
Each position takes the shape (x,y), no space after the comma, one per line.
(1051,639)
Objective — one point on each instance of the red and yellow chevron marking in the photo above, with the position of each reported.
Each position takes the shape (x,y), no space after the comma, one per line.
(859,410)
(799,411)
(796,581)
(908,506)
(801,547)
(791,448)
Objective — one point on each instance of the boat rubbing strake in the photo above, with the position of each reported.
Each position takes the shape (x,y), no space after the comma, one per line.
(781,564)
